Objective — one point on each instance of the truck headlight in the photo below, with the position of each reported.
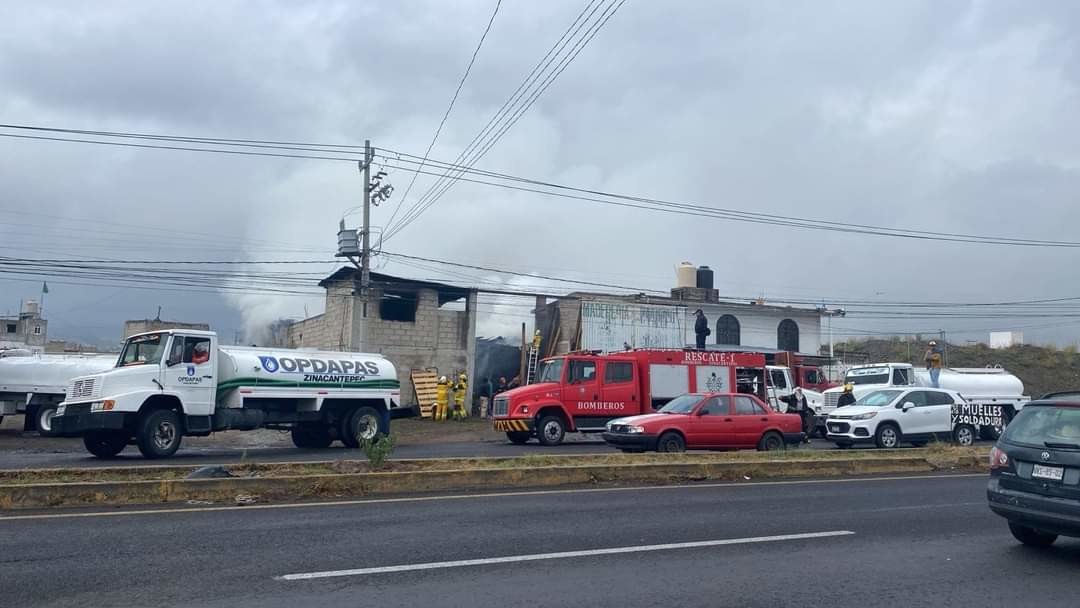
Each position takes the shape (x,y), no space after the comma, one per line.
(101,406)
(864,416)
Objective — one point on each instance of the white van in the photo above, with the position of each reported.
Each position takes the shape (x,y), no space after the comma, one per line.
(887,417)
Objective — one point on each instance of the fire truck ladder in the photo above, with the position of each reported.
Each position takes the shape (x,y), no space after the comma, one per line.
(534,357)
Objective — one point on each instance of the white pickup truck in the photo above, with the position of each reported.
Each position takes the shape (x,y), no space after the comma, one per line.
(173,383)
(34,384)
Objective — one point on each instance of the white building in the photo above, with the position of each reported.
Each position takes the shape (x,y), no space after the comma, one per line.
(591,321)
(27,330)
(1005,339)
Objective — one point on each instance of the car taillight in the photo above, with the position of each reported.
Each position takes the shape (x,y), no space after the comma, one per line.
(998,459)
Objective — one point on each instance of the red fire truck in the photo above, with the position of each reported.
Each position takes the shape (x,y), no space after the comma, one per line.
(581,392)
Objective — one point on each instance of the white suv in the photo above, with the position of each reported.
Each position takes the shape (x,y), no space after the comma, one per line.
(888,416)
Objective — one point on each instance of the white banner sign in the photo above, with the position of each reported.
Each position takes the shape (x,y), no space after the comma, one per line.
(612,327)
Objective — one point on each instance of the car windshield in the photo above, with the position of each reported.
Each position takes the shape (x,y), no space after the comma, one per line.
(682,404)
(141,350)
(551,370)
(878,398)
(867,375)
(1042,426)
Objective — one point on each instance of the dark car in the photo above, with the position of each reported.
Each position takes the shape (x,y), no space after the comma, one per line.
(1035,473)
(710,421)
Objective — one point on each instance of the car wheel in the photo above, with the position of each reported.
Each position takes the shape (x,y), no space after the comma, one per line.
(671,442)
(771,442)
(159,434)
(964,435)
(518,437)
(887,436)
(105,444)
(551,430)
(43,419)
(1031,536)
(311,435)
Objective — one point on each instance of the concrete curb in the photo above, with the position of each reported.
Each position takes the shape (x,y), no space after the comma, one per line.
(336,486)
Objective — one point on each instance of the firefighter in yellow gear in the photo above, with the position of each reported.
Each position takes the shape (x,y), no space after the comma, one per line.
(461,387)
(442,398)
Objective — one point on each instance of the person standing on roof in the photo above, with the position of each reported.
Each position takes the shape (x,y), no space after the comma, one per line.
(934,357)
(701,328)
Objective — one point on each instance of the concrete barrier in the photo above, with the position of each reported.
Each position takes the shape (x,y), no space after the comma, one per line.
(356,485)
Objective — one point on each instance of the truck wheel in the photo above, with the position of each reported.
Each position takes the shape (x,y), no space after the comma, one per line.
(518,437)
(43,419)
(964,435)
(770,442)
(671,442)
(551,430)
(105,444)
(887,436)
(362,424)
(159,434)
(311,435)
(1031,536)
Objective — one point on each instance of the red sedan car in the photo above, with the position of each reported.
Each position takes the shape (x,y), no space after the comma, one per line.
(709,421)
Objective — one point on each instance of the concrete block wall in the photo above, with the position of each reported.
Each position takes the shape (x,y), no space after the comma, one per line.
(442,339)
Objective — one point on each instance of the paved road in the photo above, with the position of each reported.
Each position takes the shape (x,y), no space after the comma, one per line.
(924,541)
(76,456)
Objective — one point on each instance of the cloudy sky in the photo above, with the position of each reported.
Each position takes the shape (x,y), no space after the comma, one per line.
(945,116)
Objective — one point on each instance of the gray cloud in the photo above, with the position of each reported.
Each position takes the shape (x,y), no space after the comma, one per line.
(951,116)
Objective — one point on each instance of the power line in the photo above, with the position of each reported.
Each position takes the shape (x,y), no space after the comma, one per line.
(644,203)
(446,115)
(468,156)
(663,206)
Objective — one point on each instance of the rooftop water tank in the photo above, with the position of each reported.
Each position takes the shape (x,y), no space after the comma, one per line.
(705,277)
(686,275)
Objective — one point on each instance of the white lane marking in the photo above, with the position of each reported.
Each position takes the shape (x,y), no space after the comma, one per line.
(441,497)
(510,559)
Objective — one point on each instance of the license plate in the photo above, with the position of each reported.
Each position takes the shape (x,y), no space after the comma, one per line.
(1045,472)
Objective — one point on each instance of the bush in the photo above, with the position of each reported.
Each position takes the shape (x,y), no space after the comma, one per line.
(378,449)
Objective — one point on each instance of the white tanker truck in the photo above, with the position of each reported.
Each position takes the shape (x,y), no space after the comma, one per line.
(169,384)
(978,385)
(35,384)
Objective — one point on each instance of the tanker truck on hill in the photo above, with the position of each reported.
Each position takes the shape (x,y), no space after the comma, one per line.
(169,384)
(978,385)
(34,384)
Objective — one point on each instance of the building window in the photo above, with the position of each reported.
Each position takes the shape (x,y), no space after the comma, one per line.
(397,308)
(728,330)
(12,328)
(787,335)
(37,330)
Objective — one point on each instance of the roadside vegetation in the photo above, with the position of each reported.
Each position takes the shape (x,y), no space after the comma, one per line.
(939,454)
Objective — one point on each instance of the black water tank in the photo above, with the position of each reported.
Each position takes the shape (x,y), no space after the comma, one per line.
(704,277)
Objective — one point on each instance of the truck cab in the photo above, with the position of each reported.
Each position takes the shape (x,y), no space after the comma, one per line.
(869,378)
(572,393)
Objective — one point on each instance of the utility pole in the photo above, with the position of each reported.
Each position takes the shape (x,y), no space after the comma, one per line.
(357,248)
(365,251)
